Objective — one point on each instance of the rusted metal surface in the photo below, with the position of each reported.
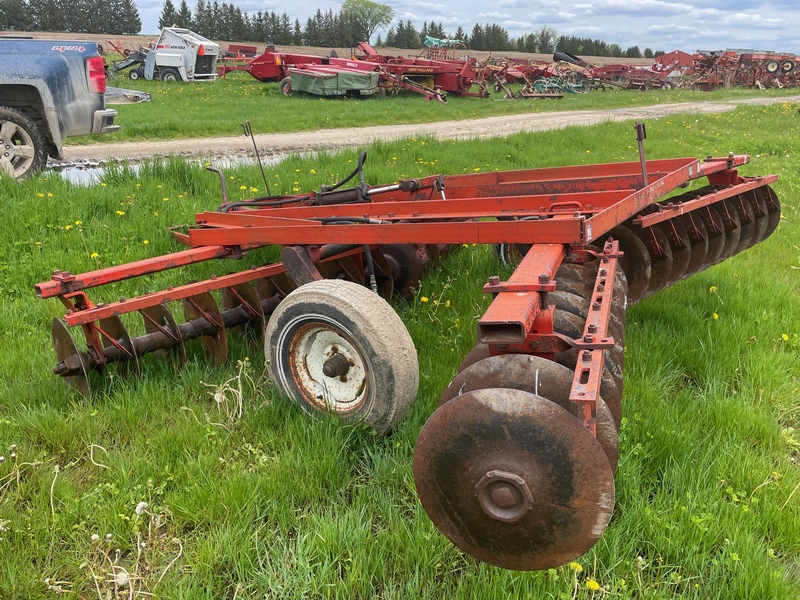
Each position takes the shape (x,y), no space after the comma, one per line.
(513,479)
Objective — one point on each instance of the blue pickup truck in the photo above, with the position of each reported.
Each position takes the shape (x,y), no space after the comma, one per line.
(49,90)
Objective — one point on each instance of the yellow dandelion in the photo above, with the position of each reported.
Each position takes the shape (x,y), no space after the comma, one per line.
(231,178)
(68,227)
(94,255)
(78,223)
(313,171)
(145,242)
(166,199)
(254,189)
(423,299)
(40,195)
(447,304)
(715,316)
(575,566)
(784,337)
(49,195)
(436,303)
(120,212)
(242,187)
(712,289)
(102,184)
(591,584)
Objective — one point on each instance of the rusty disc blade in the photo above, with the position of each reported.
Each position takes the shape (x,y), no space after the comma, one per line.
(773,207)
(579,280)
(202,306)
(635,261)
(538,376)
(660,258)
(747,220)
(71,358)
(715,231)
(579,307)
(245,296)
(680,245)
(609,390)
(158,321)
(117,337)
(572,326)
(407,267)
(513,479)
(732,226)
(760,213)
(696,230)
(383,274)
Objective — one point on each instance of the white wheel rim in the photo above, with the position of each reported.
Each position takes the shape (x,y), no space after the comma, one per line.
(16,149)
(311,347)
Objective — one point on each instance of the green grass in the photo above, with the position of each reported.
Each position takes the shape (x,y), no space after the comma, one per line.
(277,505)
(188,110)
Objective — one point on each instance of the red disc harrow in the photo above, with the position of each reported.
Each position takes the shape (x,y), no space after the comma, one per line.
(516,465)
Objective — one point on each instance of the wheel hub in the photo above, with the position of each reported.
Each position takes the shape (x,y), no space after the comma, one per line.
(504,496)
(328,369)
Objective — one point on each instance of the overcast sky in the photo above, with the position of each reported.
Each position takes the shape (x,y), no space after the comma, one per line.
(657,24)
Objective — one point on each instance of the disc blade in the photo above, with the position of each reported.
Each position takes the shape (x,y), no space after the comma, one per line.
(513,479)
(538,376)
(159,320)
(71,358)
(203,306)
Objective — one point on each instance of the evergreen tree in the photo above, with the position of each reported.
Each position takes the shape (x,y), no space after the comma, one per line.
(460,34)
(16,15)
(131,21)
(183,18)
(168,15)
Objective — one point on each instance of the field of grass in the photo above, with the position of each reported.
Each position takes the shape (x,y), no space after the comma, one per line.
(158,485)
(205,109)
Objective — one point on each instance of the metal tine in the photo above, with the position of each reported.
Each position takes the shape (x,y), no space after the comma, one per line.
(158,320)
(244,296)
(203,308)
(115,336)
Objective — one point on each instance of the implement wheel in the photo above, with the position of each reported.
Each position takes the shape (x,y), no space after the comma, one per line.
(286,86)
(513,479)
(336,347)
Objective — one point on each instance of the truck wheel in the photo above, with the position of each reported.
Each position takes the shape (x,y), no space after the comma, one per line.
(135,74)
(170,74)
(336,347)
(23,150)
(286,86)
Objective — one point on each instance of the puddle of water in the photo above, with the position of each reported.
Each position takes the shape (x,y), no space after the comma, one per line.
(90,173)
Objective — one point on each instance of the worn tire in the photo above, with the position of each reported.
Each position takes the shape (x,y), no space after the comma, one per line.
(169,75)
(23,149)
(286,86)
(329,319)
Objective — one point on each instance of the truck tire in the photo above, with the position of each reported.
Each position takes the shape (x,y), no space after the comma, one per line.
(23,150)
(286,86)
(170,74)
(136,74)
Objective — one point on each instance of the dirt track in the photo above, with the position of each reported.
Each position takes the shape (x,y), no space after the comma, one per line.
(327,139)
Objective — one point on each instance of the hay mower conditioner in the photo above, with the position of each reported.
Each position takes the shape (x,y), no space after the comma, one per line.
(516,466)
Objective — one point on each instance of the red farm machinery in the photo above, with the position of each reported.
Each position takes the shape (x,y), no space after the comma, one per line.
(362,74)
(516,465)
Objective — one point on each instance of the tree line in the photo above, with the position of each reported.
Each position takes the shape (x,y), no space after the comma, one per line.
(342,29)
(115,17)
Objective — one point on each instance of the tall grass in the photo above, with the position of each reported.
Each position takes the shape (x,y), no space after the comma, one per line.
(273,504)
